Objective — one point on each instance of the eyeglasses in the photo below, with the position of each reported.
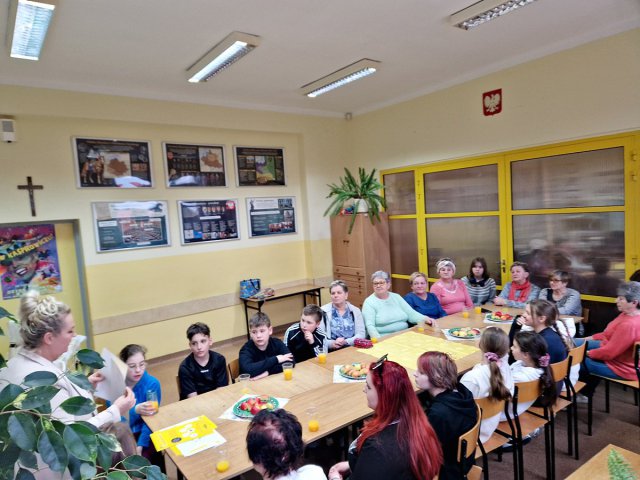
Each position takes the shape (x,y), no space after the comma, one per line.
(555,280)
(379,283)
(380,361)
(133,366)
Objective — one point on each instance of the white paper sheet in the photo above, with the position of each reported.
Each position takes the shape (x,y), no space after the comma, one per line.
(115,373)
(200,444)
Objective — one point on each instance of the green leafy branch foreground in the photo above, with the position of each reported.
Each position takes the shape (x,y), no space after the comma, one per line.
(619,468)
(28,430)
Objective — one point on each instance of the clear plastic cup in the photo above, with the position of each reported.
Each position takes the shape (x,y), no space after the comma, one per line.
(287,369)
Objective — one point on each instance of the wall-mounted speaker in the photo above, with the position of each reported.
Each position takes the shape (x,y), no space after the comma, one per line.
(8,130)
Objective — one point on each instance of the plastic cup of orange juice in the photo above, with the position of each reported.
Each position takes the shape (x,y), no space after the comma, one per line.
(222,464)
(322,356)
(287,369)
(478,310)
(465,313)
(421,325)
(152,400)
(313,423)
(374,339)
(244,381)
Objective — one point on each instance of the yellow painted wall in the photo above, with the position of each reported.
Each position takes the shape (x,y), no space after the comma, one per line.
(587,91)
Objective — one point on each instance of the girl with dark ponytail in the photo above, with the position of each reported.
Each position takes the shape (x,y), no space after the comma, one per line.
(492,377)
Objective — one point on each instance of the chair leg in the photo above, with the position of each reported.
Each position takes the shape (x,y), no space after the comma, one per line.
(485,461)
(590,415)
(552,449)
(606,396)
(547,453)
(570,429)
(575,430)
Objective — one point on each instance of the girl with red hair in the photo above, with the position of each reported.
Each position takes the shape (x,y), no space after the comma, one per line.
(398,442)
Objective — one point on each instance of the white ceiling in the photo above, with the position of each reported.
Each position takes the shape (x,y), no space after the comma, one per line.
(142,48)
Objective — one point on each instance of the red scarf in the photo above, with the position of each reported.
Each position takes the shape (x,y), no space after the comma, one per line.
(523,291)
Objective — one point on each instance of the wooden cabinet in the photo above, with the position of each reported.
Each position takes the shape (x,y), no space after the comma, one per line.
(357,255)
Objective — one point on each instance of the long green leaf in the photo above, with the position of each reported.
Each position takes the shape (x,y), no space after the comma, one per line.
(4,313)
(87,471)
(52,449)
(38,396)
(90,358)
(9,394)
(28,460)
(81,442)
(24,474)
(23,431)
(9,456)
(37,379)
(78,405)
(154,473)
(104,457)
(80,379)
(135,462)
(115,475)
(109,441)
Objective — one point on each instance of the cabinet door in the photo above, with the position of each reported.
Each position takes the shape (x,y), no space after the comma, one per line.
(348,249)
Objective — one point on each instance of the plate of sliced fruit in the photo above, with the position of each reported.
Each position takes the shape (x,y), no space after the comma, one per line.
(250,406)
(467,333)
(498,317)
(354,371)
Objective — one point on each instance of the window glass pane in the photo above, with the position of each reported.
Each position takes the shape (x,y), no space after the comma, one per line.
(463,239)
(399,192)
(590,246)
(404,246)
(462,190)
(585,179)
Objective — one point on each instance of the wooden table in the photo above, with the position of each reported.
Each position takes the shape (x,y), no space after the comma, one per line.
(312,291)
(518,311)
(596,468)
(337,405)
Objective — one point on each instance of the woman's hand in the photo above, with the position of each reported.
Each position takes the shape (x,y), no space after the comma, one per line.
(126,401)
(499,301)
(339,470)
(95,378)
(339,342)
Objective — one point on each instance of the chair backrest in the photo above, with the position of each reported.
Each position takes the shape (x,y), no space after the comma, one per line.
(468,440)
(490,407)
(585,315)
(528,391)
(178,385)
(577,354)
(560,370)
(234,370)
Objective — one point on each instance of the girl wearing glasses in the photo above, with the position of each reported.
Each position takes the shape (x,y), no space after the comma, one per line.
(145,388)
(398,442)
(567,300)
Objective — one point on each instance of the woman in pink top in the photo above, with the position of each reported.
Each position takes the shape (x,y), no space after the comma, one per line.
(451,292)
(610,353)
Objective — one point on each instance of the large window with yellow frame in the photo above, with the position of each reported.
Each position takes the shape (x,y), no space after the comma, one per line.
(563,207)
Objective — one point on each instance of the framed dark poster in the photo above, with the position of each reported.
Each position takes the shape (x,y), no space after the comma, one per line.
(189,165)
(271,216)
(103,163)
(127,225)
(259,166)
(208,221)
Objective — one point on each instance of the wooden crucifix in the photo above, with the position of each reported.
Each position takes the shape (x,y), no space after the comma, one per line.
(31,187)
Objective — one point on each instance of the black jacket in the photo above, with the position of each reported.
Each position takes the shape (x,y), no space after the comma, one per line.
(451,414)
(255,361)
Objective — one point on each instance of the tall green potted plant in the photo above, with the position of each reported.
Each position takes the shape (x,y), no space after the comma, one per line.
(363,190)
(29,430)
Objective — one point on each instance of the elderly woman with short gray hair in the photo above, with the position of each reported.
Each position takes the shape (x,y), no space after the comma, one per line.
(387,312)
(610,353)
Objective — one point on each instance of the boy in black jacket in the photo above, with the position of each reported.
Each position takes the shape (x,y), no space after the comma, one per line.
(262,355)
(305,339)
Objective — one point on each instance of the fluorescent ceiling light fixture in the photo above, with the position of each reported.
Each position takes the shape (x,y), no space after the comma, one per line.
(231,49)
(483,11)
(351,73)
(30,25)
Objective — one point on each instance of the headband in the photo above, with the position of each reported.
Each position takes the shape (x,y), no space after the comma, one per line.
(445,262)
(544,360)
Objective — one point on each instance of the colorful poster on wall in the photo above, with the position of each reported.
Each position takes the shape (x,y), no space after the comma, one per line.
(29,260)
(112,163)
(194,165)
(127,225)
(271,216)
(259,166)
(208,220)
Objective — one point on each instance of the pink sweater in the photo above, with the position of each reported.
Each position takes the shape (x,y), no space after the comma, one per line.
(616,345)
(453,300)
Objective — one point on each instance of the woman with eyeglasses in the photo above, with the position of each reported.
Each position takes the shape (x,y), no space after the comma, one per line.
(139,380)
(567,300)
(387,312)
(342,322)
(398,442)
